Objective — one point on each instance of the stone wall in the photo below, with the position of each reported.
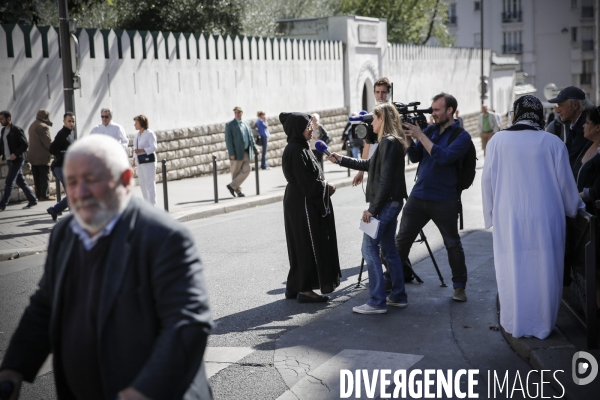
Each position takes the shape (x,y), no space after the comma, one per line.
(189,151)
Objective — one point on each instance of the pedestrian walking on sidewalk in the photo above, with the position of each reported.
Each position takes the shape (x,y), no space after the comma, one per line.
(488,126)
(528,189)
(122,305)
(308,216)
(263,132)
(144,158)
(63,140)
(386,190)
(109,128)
(39,154)
(319,133)
(241,148)
(13,147)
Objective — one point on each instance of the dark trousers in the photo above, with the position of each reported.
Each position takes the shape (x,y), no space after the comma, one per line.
(63,203)
(15,175)
(41,180)
(444,214)
(265,146)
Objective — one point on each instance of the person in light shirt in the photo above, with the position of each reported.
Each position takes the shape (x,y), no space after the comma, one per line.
(112,129)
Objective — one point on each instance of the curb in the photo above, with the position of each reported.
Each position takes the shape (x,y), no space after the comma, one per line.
(18,253)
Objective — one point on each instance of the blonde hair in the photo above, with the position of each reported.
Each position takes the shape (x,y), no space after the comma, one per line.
(391,124)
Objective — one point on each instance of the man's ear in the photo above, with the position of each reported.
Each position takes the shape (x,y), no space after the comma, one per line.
(126,177)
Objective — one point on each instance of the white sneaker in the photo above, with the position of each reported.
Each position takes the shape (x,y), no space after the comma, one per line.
(400,304)
(367,309)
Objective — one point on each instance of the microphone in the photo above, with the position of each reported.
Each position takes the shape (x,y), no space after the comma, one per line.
(362,118)
(321,147)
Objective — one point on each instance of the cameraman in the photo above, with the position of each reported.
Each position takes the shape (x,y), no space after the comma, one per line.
(435,194)
(381,90)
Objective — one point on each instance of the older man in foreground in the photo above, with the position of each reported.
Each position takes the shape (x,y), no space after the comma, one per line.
(122,304)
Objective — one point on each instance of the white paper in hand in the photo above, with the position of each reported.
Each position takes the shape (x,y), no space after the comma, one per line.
(371,228)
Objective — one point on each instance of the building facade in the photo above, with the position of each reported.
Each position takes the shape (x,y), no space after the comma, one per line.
(555,41)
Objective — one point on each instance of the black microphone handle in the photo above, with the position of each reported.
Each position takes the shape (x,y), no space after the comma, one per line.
(328,153)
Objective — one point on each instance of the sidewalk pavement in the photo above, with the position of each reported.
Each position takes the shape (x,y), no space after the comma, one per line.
(25,232)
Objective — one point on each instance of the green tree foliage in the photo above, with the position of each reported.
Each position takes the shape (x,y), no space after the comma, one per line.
(408,21)
(260,16)
(214,16)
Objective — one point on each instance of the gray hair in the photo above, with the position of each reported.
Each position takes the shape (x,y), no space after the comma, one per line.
(585,104)
(106,149)
(106,110)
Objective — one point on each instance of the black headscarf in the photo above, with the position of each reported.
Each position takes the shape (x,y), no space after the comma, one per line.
(528,108)
(294,125)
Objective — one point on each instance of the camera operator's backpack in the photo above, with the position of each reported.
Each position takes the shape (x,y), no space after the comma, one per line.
(466,165)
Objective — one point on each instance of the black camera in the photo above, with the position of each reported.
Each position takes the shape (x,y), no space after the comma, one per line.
(362,125)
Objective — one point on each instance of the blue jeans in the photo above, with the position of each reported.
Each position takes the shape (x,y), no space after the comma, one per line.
(63,203)
(265,145)
(388,220)
(355,152)
(15,175)
(444,214)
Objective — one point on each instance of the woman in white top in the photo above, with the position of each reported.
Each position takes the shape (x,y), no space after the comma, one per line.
(144,157)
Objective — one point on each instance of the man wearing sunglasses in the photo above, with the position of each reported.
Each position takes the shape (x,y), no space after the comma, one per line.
(112,129)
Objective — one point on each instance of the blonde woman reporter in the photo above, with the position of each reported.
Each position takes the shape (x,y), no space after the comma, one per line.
(144,158)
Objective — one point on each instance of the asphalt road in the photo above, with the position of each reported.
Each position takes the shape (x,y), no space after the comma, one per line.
(246,265)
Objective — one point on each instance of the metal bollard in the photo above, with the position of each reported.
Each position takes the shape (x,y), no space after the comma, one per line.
(58,196)
(348,172)
(256,172)
(215,179)
(165,189)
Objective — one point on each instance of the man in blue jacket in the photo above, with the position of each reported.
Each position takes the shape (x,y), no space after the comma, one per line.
(435,194)
(241,148)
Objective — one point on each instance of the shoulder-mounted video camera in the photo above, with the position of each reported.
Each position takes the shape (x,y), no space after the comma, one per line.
(362,124)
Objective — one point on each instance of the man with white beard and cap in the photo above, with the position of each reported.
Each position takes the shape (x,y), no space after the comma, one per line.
(122,304)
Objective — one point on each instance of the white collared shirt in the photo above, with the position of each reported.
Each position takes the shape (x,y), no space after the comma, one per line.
(88,241)
(113,130)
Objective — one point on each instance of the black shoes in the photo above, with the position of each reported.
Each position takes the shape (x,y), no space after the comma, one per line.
(240,194)
(52,213)
(30,204)
(290,295)
(231,190)
(309,299)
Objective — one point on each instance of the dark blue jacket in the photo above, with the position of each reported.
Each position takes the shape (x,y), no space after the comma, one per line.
(437,175)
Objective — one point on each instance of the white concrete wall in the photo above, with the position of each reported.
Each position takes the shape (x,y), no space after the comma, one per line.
(419,73)
(173,93)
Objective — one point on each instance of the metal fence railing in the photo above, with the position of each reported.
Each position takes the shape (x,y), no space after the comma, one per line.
(580,265)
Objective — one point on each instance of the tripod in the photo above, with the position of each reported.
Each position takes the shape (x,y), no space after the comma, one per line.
(423,239)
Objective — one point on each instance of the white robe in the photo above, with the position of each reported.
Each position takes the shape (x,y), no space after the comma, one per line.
(528,188)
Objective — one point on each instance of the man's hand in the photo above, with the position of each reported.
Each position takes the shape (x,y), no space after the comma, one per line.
(14,377)
(232,158)
(334,158)
(331,189)
(367,216)
(12,157)
(131,394)
(358,178)
(413,131)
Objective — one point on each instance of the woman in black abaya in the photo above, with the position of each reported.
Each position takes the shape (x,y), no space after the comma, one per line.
(308,214)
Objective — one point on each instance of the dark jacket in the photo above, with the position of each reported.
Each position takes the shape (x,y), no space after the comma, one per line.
(40,139)
(386,173)
(17,142)
(64,138)
(588,180)
(153,318)
(576,142)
